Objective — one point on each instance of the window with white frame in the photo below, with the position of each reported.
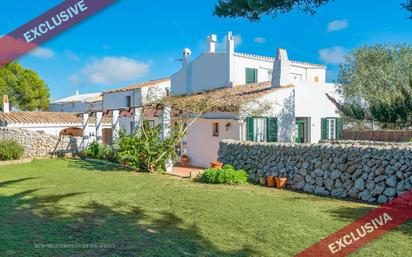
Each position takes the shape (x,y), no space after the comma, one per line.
(259,129)
(331,128)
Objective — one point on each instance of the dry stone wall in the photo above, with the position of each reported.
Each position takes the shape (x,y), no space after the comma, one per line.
(373,173)
(41,145)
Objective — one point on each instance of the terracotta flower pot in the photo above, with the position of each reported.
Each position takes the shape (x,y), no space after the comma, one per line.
(270,181)
(281,182)
(216,165)
(262,181)
(184,160)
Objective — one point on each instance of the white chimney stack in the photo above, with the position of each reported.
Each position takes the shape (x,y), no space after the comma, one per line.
(6,104)
(281,69)
(77,92)
(230,47)
(186,57)
(211,41)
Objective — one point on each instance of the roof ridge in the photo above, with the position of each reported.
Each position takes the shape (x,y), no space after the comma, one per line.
(137,85)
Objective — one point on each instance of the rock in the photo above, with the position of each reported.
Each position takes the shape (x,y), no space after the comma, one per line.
(319,172)
(370,185)
(308,188)
(365,195)
(383,199)
(390,192)
(319,182)
(335,174)
(359,184)
(329,184)
(338,192)
(321,191)
(391,181)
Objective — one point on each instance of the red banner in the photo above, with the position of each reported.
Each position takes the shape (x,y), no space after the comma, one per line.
(360,232)
(47,26)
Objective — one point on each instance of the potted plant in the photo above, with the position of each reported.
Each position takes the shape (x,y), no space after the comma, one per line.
(270,181)
(281,182)
(217,165)
(184,160)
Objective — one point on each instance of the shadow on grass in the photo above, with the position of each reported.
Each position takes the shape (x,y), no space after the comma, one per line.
(39,226)
(95,165)
(9,182)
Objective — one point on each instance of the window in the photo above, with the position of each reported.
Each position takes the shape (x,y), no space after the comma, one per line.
(251,75)
(331,128)
(40,131)
(167,91)
(128,101)
(262,129)
(215,129)
(259,133)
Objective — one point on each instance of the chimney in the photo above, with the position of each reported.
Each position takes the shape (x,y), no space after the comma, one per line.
(230,45)
(186,57)
(211,42)
(6,104)
(77,92)
(281,69)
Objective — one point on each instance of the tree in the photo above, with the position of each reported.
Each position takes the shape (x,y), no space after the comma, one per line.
(255,9)
(376,85)
(26,90)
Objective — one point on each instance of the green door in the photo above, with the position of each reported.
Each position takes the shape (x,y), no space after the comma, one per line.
(300,131)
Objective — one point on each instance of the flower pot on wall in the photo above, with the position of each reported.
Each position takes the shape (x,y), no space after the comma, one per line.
(270,181)
(184,160)
(216,165)
(262,181)
(281,182)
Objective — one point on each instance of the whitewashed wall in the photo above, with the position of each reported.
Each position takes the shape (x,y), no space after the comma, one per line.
(240,63)
(202,146)
(54,129)
(311,101)
(75,107)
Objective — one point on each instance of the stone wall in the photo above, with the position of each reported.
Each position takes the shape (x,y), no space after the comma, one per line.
(41,145)
(371,173)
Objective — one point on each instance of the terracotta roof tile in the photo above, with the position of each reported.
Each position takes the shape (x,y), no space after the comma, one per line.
(136,86)
(45,117)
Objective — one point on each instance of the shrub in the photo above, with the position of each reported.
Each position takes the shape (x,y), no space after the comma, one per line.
(147,150)
(101,152)
(10,150)
(226,175)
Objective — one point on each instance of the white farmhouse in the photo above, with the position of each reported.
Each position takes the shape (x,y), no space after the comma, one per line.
(130,99)
(299,110)
(77,103)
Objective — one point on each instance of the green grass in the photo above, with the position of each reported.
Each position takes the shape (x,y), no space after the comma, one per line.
(76,202)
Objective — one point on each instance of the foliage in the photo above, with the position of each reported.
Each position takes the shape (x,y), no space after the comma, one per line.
(376,85)
(226,175)
(255,9)
(10,150)
(101,152)
(147,150)
(26,90)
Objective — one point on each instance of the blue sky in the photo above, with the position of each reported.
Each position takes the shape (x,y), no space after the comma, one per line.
(134,41)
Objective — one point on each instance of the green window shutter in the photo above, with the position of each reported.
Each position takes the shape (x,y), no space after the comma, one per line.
(339,128)
(324,129)
(272,129)
(251,75)
(249,126)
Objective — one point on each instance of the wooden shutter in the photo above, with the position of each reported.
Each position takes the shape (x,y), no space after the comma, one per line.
(272,129)
(250,129)
(339,128)
(324,129)
(251,75)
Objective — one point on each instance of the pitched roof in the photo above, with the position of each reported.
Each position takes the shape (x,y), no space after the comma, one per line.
(136,86)
(89,98)
(45,118)
(227,99)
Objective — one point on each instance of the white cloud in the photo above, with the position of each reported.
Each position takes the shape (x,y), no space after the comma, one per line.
(111,70)
(259,40)
(42,52)
(334,55)
(337,25)
(71,55)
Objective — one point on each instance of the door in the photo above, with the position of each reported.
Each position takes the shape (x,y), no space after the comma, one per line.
(300,131)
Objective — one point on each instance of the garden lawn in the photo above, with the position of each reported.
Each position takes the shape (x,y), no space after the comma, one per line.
(70,203)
